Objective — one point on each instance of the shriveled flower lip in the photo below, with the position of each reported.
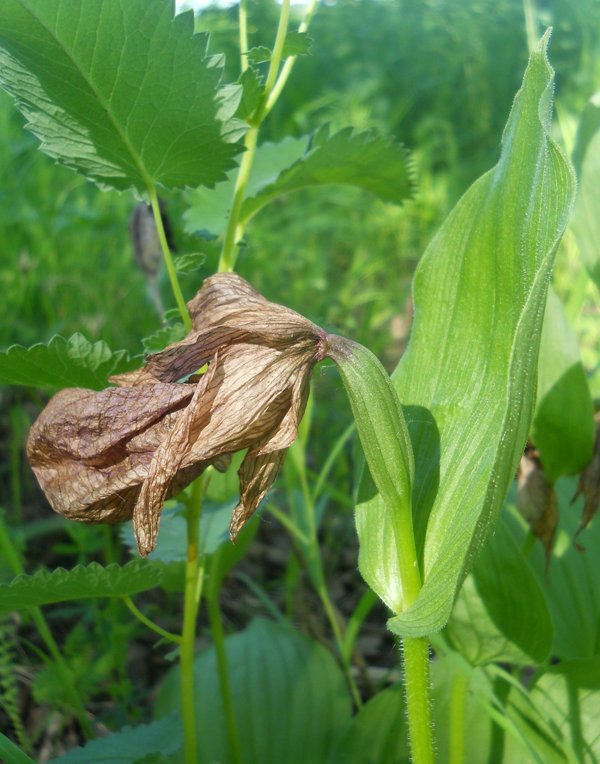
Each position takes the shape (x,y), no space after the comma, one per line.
(111,455)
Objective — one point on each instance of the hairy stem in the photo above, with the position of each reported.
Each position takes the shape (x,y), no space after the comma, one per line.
(190,613)
(416,682)
(162,237)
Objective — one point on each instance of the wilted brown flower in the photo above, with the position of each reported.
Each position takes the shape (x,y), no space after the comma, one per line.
(589,485)
(103,457)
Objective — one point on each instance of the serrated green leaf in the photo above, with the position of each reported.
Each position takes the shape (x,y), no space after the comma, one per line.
(208,209)
(120,91)
(259,54)
(364,160)
(75,362)
(348,158)
(297,44)
(585,223)
(467,380)
(563,424)
(289,697)
(189,263)
(501,614)
(82,582)
(130,744)
(252,91)
(164,336)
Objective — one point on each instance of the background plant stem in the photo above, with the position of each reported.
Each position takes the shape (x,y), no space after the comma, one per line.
(190,612)
(218,636)
(162,237)
(458,698)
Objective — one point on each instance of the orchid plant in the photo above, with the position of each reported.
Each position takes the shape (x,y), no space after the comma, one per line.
(440,440)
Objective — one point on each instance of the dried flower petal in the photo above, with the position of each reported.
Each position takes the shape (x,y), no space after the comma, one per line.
(537,502)
(589,485)
(105,457)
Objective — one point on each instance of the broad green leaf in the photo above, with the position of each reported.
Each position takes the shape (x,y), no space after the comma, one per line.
(82,582)
(467,380)
(563,424)
(11,753)
(501,614)
(75,362)
(571,583)
(130,744)
(377,734)
(208,209)
(585,223)
(119,90)
(289,696)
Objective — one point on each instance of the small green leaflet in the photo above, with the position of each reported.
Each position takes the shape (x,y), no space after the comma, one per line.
(119,90)
(164,336)
(296,44)
(348,158)
(82,582)
(75,362)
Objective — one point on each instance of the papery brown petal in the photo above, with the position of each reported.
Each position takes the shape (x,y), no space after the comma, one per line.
(257,475)
(166,463)
(80,447)
(537,502)
(589,485)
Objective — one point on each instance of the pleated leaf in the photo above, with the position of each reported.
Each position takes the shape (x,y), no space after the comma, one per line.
(119,90)
(467,380)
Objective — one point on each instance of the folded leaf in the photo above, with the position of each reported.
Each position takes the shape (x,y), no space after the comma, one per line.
(467,380)
(93,580)
(120,91)
(75,362)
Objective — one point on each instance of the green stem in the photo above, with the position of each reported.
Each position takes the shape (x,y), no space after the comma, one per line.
(458,701)
(243,17)
(190,612)
(340,642)
(218,635)
(288,65)
(416,681)
(150,624)
(162,237)
(14,561)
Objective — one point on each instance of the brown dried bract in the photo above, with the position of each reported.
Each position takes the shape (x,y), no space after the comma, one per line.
(111,455)
(536,501)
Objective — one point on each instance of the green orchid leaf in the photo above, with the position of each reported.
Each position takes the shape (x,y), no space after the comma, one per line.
(120,91)
(75,362)
(82,582)
(289,697)
(563,424)
(585,223)
(467,380)
(501,613)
